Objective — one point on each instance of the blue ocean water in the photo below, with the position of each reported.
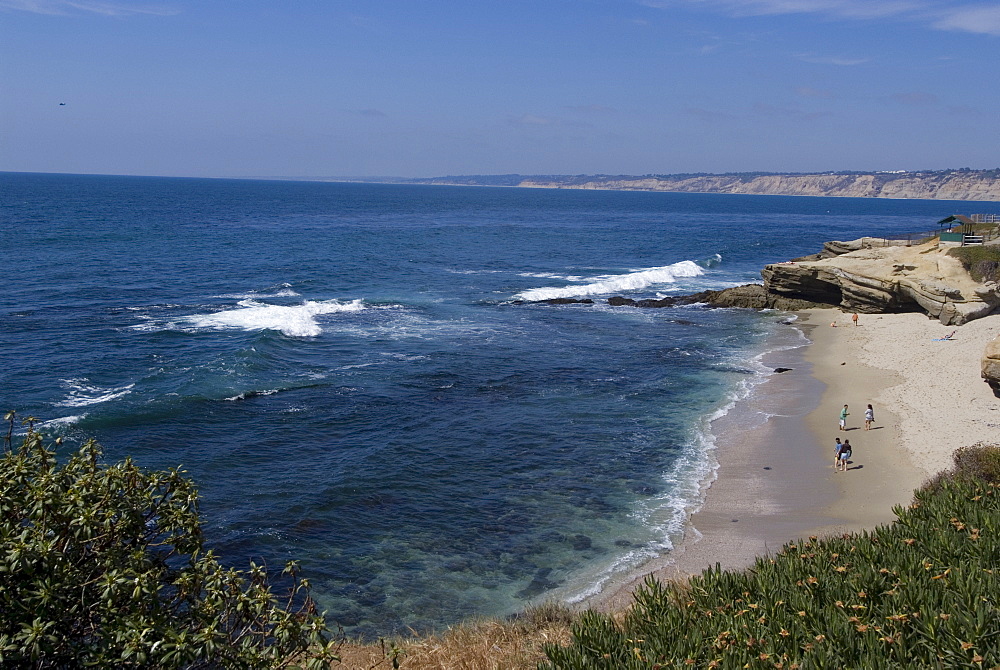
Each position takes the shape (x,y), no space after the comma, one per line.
(346,373)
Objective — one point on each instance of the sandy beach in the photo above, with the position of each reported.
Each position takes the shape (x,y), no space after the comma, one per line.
(776,481)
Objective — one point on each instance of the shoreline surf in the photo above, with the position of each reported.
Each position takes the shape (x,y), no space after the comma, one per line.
(776,483)
(766,408)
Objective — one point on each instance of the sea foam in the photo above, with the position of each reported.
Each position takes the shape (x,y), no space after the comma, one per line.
(293,320)
(632,281)
(82,393)
(63,421)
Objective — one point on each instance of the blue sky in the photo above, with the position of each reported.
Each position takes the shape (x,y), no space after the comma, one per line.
(436,87)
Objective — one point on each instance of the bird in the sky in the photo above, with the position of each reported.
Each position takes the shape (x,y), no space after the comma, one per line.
(62,104)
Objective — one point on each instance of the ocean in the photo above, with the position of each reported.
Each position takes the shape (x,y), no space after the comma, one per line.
(352,376)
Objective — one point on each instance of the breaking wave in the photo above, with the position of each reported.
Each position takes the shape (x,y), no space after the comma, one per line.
(293,320)
(616,283)
(83,394)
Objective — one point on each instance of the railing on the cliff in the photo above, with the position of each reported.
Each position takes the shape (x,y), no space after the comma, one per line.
(905,240)
(985,218)
(910,239)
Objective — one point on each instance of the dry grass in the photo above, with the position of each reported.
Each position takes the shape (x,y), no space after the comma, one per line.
(513,644)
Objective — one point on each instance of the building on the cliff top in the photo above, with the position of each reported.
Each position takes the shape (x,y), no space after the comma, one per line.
(961,230)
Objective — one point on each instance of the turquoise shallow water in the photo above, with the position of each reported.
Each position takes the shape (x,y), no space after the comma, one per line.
(344,371)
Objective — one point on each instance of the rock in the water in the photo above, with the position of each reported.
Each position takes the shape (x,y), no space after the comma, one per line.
(568,301)
(661,302)
(780,370)
(619,301)
(753,296)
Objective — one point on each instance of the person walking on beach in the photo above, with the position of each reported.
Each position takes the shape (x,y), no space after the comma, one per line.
(869,417)
(836,454)
(854,318)
(844,455)
(843,418)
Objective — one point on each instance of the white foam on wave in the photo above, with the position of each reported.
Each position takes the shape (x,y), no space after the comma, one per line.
(551,275)
(667,513)
(293,320)
(250,394)
(712,261)
(63,421)
(285,292)
(690,477)
(82,393)
(704,284)
(632,281)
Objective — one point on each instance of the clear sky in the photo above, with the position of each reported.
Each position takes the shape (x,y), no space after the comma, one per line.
(444,87)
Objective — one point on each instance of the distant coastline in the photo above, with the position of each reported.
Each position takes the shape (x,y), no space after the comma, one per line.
(960,184)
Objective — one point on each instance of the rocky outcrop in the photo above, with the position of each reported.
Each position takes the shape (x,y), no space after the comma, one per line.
(940,185)
(854,276)
(752,296)
(991,364)
(889,279)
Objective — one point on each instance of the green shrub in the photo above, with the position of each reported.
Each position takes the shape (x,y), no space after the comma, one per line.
(920,593)
(104,566)
(980,462)
(982,263)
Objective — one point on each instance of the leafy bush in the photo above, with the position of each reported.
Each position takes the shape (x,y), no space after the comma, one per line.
(105,566)
(920,593)
(980,462)
(982,263)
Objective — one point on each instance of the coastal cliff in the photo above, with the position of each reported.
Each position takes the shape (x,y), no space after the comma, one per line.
(918,278)
(937,185)
(862,275)
(867,275)
(961,184)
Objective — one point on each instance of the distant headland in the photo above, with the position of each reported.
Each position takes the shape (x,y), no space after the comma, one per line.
(958,184)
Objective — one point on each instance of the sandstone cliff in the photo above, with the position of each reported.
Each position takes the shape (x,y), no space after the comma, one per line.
(991,364)
(885,279)
(945,185)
